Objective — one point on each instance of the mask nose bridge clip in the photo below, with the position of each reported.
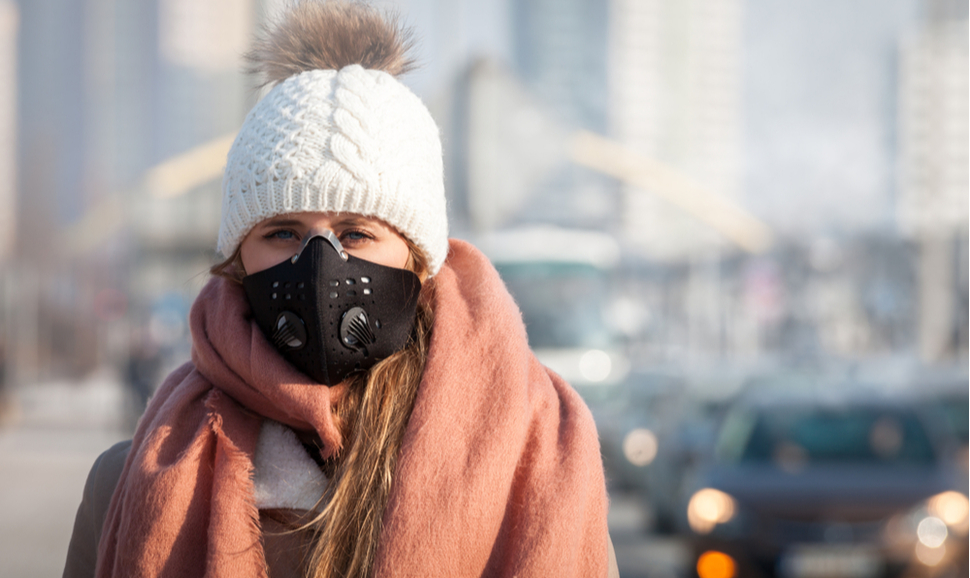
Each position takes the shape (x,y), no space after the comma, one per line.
(328,236)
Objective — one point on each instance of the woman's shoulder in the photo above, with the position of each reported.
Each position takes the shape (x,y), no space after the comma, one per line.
(107,468)
(82,552)
(103,479)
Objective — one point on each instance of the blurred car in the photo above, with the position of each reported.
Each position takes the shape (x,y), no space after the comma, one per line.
(633,423)
(948,402)
(843,484)
(661,425)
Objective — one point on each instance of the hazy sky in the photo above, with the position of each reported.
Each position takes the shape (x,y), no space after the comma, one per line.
(820,110)
(818,105)
(449,34)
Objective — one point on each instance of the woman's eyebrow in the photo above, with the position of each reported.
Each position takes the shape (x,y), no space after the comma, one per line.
(282,223)
(355,220)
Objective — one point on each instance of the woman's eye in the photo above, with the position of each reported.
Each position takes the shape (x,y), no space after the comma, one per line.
(282,235)
(353,236)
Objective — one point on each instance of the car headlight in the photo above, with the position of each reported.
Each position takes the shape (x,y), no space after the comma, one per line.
(925,530)
(931,532)
(709,507)
(952,508)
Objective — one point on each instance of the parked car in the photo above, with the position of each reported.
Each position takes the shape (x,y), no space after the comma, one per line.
(835,482)
(948,404)
(635,424)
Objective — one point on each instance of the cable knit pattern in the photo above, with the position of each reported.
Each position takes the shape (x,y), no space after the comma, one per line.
(352,140)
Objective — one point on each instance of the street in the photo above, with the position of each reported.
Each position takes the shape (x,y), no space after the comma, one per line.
(638,554)
(42,473)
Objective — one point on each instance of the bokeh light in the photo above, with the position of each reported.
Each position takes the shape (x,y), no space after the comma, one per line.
(707,508)
(640,447)
(951,507)
(931,532)
(930,556)
(713,564)
(595,365)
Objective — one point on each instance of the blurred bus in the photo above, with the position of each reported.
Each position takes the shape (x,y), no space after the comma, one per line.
(560,278)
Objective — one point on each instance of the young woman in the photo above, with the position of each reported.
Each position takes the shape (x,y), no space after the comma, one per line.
(361,399)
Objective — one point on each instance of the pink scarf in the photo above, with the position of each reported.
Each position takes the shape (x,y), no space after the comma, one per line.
(499,472)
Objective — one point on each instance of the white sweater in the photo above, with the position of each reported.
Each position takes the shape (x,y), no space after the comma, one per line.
(285,475)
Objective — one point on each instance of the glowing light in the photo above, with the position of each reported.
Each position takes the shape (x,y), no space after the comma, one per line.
(595,365)
(708,508)
(931,532)
(640,447)
(886,437)
(930,556)
(713,564)
(951,507)
(790,458)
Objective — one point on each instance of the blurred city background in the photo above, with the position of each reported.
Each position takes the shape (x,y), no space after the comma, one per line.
(738,227)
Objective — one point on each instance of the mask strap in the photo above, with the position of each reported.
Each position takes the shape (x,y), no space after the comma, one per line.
(327,235)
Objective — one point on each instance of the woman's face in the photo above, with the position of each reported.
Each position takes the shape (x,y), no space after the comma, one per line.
(278,238)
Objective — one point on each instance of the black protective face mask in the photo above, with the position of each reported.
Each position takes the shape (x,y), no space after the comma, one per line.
(331,314)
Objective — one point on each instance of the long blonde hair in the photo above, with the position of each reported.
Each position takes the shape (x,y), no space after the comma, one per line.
(372,417)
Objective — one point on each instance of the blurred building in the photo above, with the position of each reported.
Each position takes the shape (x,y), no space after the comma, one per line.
(201,96)
(560,54)
(9,24)
(675,96)
(43,310)
(109,92)
(841,288)
(934,177)
(505,146)
(661,79)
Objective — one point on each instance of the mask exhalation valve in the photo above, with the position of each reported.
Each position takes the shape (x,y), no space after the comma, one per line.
(290,332)
(355,331)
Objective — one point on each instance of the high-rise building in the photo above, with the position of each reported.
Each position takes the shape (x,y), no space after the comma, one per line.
(934,179)
(201,95)
(674,85)
(9,22)
(108,89)
(560,54)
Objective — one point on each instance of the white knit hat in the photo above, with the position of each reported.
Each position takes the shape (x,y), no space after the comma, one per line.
(350,140)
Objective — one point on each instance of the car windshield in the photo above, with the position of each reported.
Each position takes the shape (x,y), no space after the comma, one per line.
(562,303)
(794,437)
(956,415)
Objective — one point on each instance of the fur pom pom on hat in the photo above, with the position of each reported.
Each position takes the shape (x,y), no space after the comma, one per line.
(338,132)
